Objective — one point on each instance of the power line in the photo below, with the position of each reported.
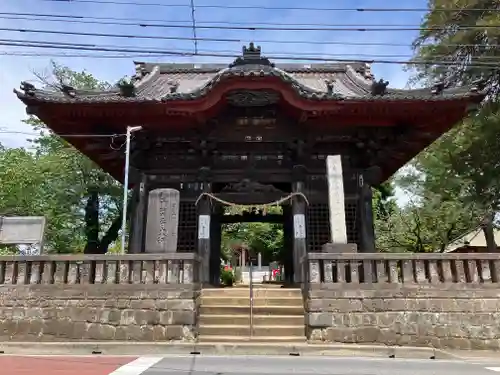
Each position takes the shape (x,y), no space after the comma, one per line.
(179,53)
(224,6)
(159,23)
(337,27)
(151,53)
(311,42)
(65,135)
(24,16)
(159,37)
(128,36)
(238,40)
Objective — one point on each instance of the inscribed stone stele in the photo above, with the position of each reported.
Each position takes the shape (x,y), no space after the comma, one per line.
(163,221)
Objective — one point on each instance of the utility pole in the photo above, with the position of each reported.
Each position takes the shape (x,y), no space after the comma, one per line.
(130,130)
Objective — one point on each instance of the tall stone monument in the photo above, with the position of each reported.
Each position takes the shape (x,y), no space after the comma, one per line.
(162,221)
(336,199)
(338,229)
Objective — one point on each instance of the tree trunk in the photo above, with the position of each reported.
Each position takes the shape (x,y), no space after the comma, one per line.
(488,230)
(92,223)
(112,233)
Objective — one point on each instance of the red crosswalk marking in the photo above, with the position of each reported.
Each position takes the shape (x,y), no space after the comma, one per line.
(61,365)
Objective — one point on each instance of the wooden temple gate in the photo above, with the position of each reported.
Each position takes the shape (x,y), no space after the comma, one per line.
(252,133)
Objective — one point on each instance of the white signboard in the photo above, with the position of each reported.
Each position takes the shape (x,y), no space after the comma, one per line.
(22,230)
(299,226)
(204,227)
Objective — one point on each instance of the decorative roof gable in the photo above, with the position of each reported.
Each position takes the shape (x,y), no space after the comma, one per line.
(184,82)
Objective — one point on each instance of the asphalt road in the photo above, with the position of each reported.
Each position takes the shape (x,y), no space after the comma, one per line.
(246,365)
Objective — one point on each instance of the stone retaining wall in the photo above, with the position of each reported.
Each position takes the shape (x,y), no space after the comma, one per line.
(455,318)
(436,300)
(106,312)
(61,298)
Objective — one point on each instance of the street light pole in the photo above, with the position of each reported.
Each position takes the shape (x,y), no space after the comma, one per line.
(130,130)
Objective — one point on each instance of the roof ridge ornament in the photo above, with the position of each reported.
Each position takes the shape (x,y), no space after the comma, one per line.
(479,85)
(330,84)
(379,88)
(251,55)
(438,87)
(366,71)
(28,88)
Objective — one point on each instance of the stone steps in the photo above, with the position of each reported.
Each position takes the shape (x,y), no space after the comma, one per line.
(245,309)
(258,301)
(267,339)
(278,315)
(244,319)
(258,330)
(244,292)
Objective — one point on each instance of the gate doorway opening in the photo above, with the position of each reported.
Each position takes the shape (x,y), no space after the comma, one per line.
(252,234)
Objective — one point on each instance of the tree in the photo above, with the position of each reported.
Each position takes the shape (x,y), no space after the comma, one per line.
(462,166)
(82,203)
(264,238)
(30,187)
(463,34)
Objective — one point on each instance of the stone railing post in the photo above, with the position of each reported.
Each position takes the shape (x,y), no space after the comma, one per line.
(402,269)
(171,268)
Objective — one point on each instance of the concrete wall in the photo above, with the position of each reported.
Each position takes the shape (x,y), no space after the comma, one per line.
(137,298)
(436,300)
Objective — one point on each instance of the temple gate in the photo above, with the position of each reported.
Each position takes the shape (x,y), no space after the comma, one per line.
(313,138)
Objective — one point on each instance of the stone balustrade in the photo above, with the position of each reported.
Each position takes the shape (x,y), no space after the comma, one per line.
(173,268)
(437,300)
(141,297)
(401,268)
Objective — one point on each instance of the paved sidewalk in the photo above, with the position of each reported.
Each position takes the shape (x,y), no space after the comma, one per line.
(243,348)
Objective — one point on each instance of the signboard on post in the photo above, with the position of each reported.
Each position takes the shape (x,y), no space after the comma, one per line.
(299,226)
(204,227)
(22,230)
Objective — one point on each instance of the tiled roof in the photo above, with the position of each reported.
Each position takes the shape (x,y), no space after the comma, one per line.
(181,82)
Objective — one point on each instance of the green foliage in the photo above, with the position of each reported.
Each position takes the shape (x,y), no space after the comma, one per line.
(82,204)
(460,37)
(264,238)
(454,183)
(227,277)
(8,250)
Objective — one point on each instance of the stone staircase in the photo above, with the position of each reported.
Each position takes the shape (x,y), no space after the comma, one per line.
(278,315)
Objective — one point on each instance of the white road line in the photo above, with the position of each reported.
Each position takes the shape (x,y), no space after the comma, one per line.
(497,369)
(137,367)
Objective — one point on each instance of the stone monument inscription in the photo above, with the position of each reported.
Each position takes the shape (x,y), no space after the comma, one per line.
(163,221)
(338,229)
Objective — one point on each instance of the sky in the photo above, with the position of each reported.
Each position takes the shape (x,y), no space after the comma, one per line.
(14,67)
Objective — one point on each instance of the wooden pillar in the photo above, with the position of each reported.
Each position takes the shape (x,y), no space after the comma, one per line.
(299,221)
(365,216)
(215,245)
(134,201)
(336,199)
(139,217)
(288,243)
(204,216)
